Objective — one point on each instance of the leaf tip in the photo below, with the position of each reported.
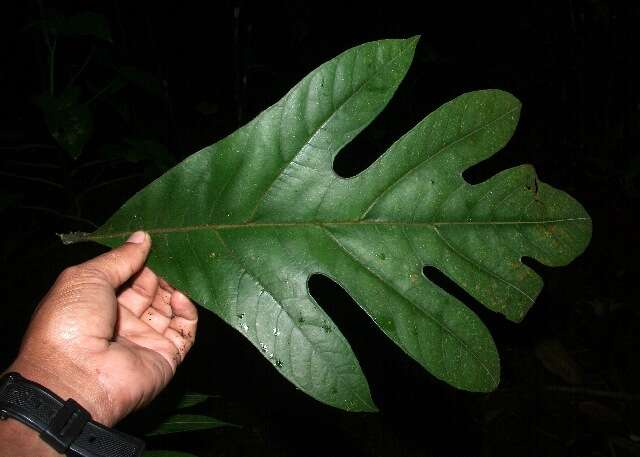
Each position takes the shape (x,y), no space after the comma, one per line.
(368,407)
(413,41)
(372,409)
(514,101)
(492,380)
(487,385)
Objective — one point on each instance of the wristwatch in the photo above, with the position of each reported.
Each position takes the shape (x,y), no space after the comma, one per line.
(64,425)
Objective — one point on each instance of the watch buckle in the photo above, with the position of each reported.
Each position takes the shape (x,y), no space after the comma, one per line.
(65,426)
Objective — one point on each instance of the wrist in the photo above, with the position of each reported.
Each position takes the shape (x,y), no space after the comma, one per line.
(64,425)
(18,440)
(67,382)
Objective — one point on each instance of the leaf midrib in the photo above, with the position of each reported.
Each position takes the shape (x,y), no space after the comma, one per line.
(258,225)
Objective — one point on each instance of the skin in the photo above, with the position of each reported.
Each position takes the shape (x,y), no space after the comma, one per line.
(109,334)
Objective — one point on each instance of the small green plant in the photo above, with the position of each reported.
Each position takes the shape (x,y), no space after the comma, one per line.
(242,225)
(80,92)
(181,418)
(177,420)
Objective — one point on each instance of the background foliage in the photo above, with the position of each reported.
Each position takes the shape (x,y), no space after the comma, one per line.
(161,81)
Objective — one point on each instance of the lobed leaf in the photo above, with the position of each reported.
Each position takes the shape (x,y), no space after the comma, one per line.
(242,225)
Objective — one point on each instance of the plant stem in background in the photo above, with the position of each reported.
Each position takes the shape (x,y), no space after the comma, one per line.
(82,67)
(101,91)
(59,214)
(33,179)
(52,60)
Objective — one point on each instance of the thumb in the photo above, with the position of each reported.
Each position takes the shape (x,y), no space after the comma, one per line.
(121,263)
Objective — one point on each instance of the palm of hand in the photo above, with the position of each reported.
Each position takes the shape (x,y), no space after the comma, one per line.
(154,328)
(110,333)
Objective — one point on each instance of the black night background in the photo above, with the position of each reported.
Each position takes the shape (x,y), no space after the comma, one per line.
(158,81)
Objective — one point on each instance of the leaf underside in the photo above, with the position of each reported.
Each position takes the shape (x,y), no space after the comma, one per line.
(242,225)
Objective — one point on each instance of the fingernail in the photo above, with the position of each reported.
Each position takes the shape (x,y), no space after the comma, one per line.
(137,237)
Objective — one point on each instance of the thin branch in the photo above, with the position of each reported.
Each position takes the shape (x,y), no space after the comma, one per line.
(100,92)
(595,392)
(33,178)
(107,183)
(58,214)
(34,165)
(52,63)
(23,147)
(82,67)
(45,33)
(572,17)
(93,163)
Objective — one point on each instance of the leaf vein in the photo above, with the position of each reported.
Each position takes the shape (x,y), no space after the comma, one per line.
(354,92)
(439,324)
(479,266)
(427,159)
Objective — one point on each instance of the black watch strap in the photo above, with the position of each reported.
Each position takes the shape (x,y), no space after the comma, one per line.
(65,425)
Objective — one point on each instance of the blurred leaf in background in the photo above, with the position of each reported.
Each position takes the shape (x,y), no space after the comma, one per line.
(138,150)
(187,423)
(69,121)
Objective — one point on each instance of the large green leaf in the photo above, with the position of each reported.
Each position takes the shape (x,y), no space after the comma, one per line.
(243,224)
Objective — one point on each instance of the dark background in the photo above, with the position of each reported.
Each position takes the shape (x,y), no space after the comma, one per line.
(146,84)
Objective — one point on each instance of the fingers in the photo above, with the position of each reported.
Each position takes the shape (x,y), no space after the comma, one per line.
(155,319)
(158,313)
(141,292)
(147,289)
(152,325)
(132,329)
(182,328)
(184,308)
(166,286)
(121,263)
(162,300)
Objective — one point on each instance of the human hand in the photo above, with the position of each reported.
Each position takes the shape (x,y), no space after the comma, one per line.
(109,334)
